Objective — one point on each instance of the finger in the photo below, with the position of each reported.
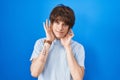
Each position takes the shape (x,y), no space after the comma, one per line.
(50,25)
(47,24)
(44,26)
(71,33)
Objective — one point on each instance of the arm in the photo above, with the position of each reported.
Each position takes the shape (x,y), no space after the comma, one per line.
(38,63)
(77,71)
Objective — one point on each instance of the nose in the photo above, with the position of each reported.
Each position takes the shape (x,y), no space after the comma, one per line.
(61,27)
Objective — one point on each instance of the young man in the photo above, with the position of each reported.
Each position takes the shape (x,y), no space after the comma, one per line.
(57,56)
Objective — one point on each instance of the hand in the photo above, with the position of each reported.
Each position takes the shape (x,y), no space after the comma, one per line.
(48,30)
(67,39)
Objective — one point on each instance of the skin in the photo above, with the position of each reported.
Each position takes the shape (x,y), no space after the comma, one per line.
(57,30)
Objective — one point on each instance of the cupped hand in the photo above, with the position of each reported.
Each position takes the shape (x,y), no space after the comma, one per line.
(48,30)
(67,39)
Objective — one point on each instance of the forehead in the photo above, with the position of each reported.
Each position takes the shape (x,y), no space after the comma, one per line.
(62,22)
(61,19)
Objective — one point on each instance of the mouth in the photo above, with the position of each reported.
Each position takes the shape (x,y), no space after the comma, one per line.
(60,32)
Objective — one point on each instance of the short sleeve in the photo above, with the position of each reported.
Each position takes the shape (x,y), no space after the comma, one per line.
(79,54)
(37,49)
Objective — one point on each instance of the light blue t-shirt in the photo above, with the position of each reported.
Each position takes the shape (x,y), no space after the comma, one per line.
(56,67)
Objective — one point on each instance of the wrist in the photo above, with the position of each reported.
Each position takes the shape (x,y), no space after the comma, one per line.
(67,47)
(47,41)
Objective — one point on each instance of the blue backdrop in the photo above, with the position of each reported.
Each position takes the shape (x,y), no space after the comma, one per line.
(97,27)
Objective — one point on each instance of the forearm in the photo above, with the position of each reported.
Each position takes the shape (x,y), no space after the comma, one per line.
(37,65)
(76,71)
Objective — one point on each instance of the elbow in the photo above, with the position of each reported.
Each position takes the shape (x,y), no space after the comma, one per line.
(34,74)
(78,78)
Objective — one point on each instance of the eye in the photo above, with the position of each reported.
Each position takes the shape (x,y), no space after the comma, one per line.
(65,25)
(57,22)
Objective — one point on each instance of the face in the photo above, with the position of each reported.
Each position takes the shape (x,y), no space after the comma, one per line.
(60,29)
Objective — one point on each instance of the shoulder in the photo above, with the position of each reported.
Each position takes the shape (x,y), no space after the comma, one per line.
(77,47)
(40,41)
(75,44)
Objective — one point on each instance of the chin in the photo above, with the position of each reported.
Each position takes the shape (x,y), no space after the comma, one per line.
(59,37)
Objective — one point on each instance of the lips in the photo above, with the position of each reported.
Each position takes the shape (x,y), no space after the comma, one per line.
(60,32)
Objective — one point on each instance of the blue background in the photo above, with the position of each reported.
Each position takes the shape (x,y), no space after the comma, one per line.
(97,27)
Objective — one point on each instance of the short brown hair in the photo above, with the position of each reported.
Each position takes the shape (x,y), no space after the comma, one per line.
(63,13)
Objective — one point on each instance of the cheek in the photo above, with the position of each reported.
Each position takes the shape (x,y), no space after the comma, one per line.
(54,27)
